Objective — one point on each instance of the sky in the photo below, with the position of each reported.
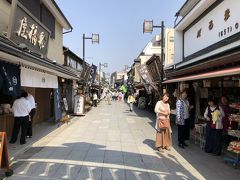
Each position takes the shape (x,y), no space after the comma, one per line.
(119,24)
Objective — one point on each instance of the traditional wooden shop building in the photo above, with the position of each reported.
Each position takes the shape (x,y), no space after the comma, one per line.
(31,41)
(207,56)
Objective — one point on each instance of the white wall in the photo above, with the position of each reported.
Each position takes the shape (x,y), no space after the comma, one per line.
(169,47)
(178,43)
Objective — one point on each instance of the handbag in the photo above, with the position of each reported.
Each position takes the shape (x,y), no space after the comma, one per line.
(163,123)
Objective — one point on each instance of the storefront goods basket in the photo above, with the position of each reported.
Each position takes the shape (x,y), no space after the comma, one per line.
(234,147)
(199,134)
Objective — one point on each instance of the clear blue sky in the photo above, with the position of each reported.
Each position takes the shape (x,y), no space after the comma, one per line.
(119,24)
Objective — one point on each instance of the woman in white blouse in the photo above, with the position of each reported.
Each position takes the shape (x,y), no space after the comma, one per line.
(213,114)
(163,136)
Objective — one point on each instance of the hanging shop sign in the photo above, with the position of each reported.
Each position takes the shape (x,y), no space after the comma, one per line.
(93,73)
(79,105)
(87,73)
(10,75)
(146,78)
(28,30)
(57,104)
(65,104)
(217,27)
(154,68)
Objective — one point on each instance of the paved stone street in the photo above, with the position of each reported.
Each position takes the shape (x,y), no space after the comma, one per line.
(111,142)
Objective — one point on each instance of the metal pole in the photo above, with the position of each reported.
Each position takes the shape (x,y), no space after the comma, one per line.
(99,79)
(83,47)
(162,55)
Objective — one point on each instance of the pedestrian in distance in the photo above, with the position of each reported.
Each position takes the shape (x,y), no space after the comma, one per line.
(214,115)
(182,118)
(163,127)
(131,100)
(21,109)
(109,97)
(120,95)
(32,113)
(95,98)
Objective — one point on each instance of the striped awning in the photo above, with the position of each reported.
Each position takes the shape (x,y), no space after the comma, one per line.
(219,73)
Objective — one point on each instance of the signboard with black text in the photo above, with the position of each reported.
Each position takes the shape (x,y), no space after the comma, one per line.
(29,30)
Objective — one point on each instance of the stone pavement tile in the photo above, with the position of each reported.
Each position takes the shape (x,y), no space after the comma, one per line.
(158,168)
(16,177)
(128,139)
(113,146)
(113,143)
(113,157)
(160,176)
(79,145)
(95,160)
(113,138)
(100,144)
(130,149)
(60,153)
(77,155)
(25,168)
(127,144)
(112,153)
(90,172)
(45,170)
(136,175)
(112,173)
(42,154)
(67,171)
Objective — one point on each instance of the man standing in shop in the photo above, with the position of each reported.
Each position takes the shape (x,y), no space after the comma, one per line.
(21,109)
(31,101)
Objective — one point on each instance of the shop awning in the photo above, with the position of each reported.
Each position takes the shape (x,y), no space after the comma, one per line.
(38,79)
(220,73)
(13,54)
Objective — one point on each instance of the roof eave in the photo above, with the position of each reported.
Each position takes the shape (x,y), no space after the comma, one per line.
(58,14)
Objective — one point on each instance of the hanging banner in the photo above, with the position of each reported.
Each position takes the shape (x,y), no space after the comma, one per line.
(93,73)
(79,105)
(146,78)
(87,73)
(57,104)
(11,78)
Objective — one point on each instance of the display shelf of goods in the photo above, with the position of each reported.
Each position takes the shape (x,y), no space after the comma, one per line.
(234,146)
(235,117)
(235,133)
(235,105)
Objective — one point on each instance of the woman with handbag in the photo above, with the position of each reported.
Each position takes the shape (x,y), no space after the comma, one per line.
(163,136)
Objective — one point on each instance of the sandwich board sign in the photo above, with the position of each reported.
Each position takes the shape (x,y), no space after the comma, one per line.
(4,158)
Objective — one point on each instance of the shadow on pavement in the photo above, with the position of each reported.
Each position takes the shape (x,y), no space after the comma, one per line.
(85,160)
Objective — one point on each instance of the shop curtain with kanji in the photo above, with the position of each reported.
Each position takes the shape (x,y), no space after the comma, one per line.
(10,79)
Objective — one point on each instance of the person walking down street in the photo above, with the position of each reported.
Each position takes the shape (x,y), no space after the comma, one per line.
(109,97)
(182,118)
(32,113)
(214,115)
(120,96)
(95,98)
(131,100)
(21,109)
(163,136)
